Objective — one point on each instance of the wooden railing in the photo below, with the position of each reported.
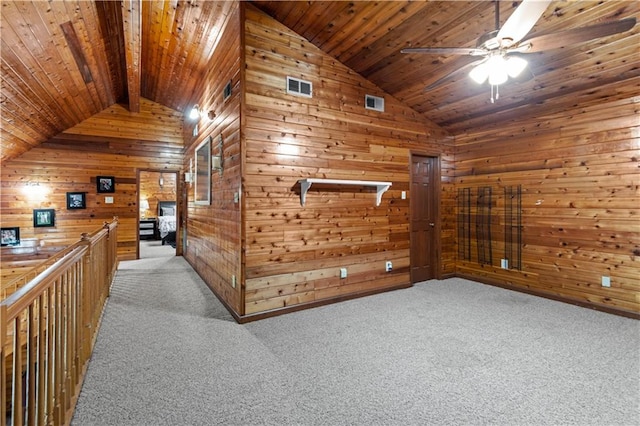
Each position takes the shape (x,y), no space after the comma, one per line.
(7,288)
(48,328)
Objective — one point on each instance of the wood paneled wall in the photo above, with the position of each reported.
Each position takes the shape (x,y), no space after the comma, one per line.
(214,231)
(580,201)
(293,254)
(114,143)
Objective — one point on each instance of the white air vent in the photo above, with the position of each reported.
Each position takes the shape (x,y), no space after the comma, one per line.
(374,102)
(299,87)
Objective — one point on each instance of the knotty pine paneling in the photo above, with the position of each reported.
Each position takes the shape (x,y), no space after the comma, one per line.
(114,142)
(580,201)
(214,241)
(293,254)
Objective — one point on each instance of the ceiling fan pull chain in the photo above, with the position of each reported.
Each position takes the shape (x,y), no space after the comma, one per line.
(495,88)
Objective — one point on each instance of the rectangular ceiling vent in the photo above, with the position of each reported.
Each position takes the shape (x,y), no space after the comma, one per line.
(374,102)
(298,87)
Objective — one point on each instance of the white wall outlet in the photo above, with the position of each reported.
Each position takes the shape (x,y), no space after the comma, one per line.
(108,200)
(236,197)
(403,195)
(504,263)
(606,281)
(233,281)
(388,266)
(343,272)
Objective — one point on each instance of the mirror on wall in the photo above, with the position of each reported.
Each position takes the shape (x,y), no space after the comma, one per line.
(202,193)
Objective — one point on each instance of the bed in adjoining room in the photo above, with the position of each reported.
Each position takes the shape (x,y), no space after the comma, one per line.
(167,222)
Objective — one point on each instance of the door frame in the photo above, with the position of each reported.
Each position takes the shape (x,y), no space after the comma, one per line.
(438,211)
(179,185)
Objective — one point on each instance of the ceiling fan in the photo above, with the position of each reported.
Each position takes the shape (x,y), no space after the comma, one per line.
(502,51)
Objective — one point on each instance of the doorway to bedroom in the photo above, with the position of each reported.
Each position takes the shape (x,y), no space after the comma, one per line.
(157,201)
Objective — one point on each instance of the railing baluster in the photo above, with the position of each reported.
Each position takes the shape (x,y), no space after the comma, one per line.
(17,414)
(31,363)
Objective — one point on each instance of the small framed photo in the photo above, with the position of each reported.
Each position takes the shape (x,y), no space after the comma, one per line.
(106,184)
(44,218)
(10,236)
(76,200)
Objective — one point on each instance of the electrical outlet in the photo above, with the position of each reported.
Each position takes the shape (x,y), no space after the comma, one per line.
(108,200)
(403,195)
(388,266)
(606,281)
(233,281)
(236,197)
(504,263)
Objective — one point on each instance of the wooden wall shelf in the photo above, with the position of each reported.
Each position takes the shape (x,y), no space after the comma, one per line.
(305,184)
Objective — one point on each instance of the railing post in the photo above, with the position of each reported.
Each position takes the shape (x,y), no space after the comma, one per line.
(86,299)
(3,360)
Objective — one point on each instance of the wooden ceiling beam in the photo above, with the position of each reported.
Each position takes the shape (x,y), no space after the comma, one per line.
(132,22)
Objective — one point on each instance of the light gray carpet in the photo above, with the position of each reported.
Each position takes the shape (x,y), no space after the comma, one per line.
(442,352)
(154,249)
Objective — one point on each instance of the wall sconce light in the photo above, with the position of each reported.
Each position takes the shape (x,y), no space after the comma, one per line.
(34,191)
(195,112)
(217,161)
(144,206)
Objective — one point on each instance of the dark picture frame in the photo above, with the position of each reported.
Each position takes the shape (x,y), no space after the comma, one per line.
(10,236)
(43,218)
(76,200)
(106,184)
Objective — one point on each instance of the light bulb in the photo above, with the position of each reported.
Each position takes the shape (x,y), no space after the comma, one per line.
(515,65)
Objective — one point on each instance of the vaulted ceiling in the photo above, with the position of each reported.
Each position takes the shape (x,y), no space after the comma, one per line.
(63,62)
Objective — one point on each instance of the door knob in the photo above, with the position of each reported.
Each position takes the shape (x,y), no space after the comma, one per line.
(432,224)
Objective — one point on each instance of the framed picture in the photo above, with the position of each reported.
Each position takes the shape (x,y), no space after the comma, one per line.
(202,194)
(10,236)
(44,217)
(76,200)
(106,184)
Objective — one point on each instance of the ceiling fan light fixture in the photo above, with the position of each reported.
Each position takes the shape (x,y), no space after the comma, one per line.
(480,73)
(497,70)
(515,66)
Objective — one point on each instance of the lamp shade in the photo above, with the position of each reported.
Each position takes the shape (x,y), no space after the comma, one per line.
(515,65)
(144,205)
(195,112)
(480,73)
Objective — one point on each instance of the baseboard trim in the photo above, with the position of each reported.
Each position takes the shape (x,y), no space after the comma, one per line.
(569,300)
(302,306)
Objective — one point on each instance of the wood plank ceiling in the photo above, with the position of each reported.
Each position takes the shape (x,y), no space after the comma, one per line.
(62,62)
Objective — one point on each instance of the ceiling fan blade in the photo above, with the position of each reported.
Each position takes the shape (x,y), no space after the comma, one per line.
(577,35)
(521,21)
(461,70)
(471,51)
